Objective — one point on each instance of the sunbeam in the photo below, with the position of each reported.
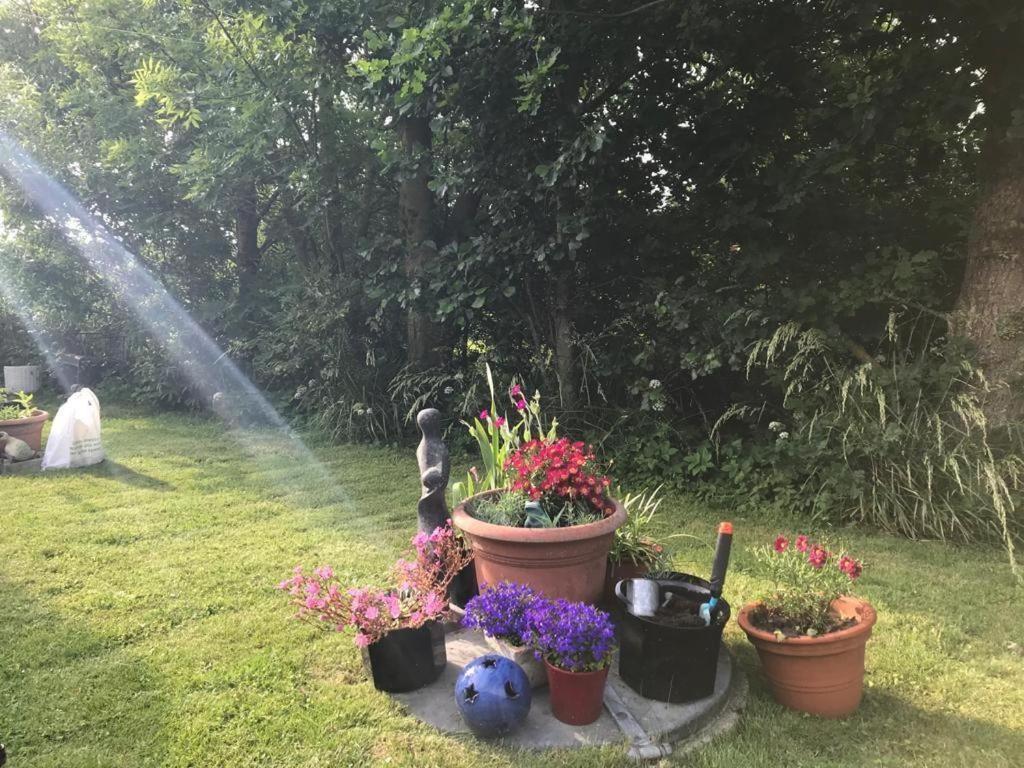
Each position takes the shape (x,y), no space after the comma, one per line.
(206,365)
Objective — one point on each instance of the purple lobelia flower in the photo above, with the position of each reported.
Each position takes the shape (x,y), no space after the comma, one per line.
(576,637)
(500,612)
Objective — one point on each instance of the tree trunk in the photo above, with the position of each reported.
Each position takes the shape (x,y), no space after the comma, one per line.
(247,255)
(990,307)
(419,230)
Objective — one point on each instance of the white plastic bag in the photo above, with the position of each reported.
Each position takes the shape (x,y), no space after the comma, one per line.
(75,436)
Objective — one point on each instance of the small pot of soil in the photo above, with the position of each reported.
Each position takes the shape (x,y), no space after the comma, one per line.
(576,697)
(406,659)
(672,656)
(28,428)
(822,675)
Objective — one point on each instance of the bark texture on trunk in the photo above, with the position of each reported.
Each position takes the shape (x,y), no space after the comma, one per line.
(247,255)
(419,229)
(990,306)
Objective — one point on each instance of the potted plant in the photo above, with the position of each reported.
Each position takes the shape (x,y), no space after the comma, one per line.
(20,418)
(501,613)
(397,627)
(634,552)
(539,512)
(576,642)
(809,631)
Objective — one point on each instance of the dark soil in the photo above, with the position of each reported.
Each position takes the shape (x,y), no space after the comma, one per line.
(679,612)
(770,623)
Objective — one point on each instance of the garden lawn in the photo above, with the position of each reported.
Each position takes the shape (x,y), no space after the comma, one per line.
(139,625)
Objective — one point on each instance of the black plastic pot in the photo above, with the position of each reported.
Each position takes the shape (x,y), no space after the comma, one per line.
(406,659)
(672,663)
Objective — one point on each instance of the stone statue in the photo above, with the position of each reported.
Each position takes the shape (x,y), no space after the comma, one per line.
(432,455)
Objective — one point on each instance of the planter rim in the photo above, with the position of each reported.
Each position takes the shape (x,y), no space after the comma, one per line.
(466,522)
(37,416)
(570,672)
(865,613)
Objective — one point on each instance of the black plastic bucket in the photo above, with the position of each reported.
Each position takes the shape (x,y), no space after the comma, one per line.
(407,659)
(672,663)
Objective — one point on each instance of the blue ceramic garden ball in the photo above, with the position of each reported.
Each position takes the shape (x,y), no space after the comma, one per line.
(493,696)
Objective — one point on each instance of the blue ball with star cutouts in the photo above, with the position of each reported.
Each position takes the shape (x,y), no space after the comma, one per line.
(493,695)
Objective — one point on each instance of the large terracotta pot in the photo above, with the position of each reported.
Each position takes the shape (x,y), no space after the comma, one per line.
(30,430)
(557,562)
(576,697)
(820,675)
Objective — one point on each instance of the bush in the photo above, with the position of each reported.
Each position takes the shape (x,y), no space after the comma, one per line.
(899,440)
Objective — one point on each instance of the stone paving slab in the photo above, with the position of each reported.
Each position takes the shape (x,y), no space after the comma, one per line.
(435,705)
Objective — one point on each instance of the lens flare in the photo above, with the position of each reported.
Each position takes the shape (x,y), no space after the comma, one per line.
(207,367)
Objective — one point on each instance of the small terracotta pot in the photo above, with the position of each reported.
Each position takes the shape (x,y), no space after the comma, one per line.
(557,562)
(576,697)
(820,675)
(30,430)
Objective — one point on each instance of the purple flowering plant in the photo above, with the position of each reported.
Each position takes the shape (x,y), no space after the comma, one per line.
(500,611)
(576,637)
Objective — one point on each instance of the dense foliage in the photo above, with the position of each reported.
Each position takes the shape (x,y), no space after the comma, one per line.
(363,202)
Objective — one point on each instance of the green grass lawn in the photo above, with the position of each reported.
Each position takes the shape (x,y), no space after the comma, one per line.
(139,625)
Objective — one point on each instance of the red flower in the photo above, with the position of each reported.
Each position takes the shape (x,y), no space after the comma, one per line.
(849,566)
(781,542)
(818,556)
(801,543)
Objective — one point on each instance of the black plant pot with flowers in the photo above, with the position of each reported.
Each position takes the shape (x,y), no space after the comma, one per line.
(406,659)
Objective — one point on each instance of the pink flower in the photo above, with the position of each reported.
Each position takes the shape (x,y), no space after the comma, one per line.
(434,604)
(393,605)
(371,613)
(801,543)
(324,572)
(818,556)
(850,567)
(516,391)
(362,640)
(781,542)
(484,415)
(420,540)
(521,405)
(500,421)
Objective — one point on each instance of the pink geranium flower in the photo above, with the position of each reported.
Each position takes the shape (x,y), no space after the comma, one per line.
(780,544)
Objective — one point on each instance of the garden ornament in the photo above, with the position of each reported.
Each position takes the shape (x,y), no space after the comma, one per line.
(641,748)
(493,695)
(641,597)
(718,569)
(15,449)
(432,455)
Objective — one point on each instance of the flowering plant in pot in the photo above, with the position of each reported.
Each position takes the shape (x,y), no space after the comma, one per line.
(810,632)
(397,625)
(576,642)
(501,612)
(540,513)
(634,552)
(20,419)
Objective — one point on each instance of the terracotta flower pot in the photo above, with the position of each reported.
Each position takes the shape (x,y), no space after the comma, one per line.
(821,675)
(576,697)
(30,430)
(557,562)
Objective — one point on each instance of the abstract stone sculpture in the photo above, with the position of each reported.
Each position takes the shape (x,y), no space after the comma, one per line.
(432,455)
